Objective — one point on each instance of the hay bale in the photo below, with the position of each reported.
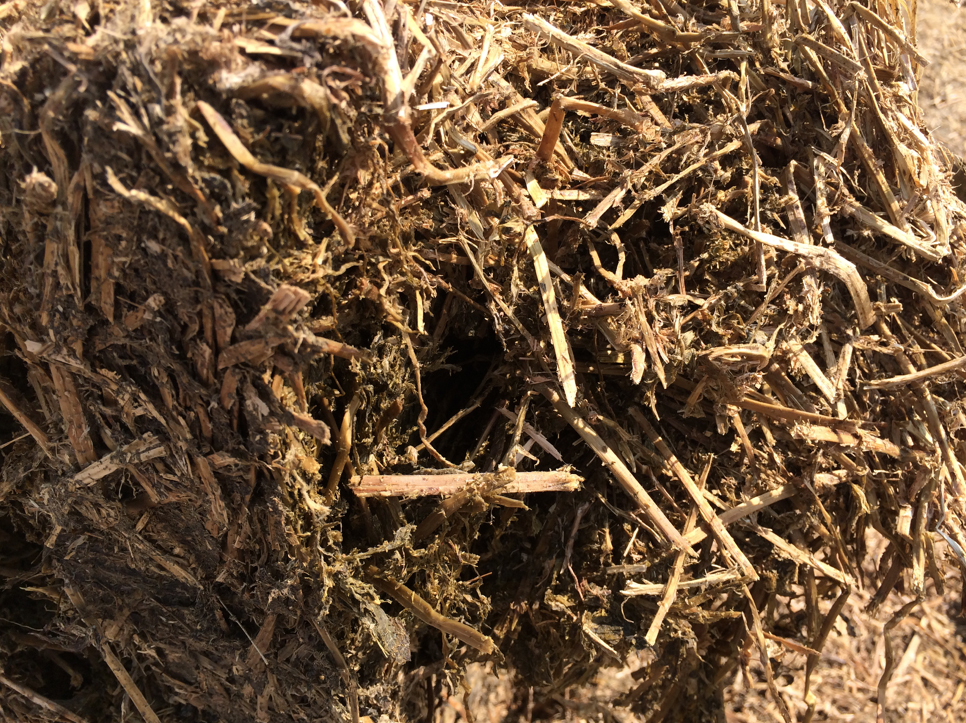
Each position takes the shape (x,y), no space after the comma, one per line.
(271,270)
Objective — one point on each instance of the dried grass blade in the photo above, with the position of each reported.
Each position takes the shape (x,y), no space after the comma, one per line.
(670,592)
(847,64)
(26,422)
(558,337)
(141,450)
(127,682)
(56,709)
(819,641)
(688,82)
(739,512)
(892,274)
(650,79)
(936,426)
(862,440)
(512,110)
(811,369)
(617,467)
(657,588)
(914,377)
(887,28)
(812,58)
(890,658)
(868,218)
(347,675)
(72,411)
(709,516)
(800,556)
(793,206)
(649,340)
(665,32)
(627,117)
(763,652)
(532,432)
(787,414)
(871,164)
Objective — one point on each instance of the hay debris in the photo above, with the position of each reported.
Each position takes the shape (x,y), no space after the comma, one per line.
(722,231)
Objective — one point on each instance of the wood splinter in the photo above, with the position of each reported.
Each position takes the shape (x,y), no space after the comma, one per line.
(425,485)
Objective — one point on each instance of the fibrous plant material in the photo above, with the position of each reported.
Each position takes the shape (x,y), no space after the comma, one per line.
(440,484)
(601,328)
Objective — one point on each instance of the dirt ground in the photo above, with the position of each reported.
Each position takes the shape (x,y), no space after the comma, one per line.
(942,39)
(927,683)
(929,680)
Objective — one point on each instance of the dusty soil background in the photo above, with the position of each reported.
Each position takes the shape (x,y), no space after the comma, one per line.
(942,39)
(929,682)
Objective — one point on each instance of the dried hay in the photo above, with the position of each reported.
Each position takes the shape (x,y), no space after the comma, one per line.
(705,252)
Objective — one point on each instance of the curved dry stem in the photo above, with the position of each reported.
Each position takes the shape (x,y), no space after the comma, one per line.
(285,176)
(820,257)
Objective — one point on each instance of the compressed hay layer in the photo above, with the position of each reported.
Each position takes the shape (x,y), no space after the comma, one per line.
(254,256)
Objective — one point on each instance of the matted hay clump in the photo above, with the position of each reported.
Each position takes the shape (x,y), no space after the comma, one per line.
(702,259)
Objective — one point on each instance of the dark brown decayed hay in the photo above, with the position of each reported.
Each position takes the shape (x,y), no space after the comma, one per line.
(703,255)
